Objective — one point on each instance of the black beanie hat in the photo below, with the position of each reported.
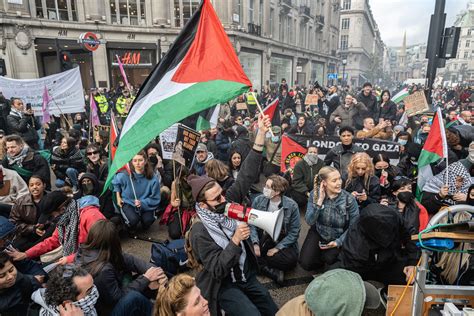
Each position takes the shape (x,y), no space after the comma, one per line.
(197,183)
(52,201)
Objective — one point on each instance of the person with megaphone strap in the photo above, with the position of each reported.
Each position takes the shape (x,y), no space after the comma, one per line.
(277,256)
(220,244)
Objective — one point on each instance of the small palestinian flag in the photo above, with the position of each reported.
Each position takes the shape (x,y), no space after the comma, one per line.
(200,70)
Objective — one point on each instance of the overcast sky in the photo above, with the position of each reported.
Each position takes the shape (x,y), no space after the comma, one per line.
(413,16)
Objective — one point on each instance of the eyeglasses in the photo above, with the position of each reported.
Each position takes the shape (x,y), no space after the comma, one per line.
(217,199)
(398,178)
(92,153)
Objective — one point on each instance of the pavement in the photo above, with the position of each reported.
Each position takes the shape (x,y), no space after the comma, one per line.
(296,281)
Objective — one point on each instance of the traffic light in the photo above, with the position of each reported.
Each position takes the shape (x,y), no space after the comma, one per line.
(65,60)
(449,48)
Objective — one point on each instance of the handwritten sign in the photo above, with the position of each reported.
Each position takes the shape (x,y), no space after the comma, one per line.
(311,99)
(415,103)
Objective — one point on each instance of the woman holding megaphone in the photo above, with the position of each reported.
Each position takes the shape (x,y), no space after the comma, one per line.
(330,211)
(220,245)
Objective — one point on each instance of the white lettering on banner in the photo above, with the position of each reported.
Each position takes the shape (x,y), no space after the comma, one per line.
(64,88)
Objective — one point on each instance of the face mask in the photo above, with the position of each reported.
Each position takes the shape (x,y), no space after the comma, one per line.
(87,188)
(275,139)
(313,158)
(267,193)
(471,155)
(219,208)
(402,142)
(405,197)
(268,134)
(153,159)
(247,123)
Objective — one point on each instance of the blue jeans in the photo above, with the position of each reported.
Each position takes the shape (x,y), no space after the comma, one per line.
(73,175)
(132,304)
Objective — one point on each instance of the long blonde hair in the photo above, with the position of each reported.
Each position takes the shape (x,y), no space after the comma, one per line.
(452,262)
(171,299)
(323,174)
(351,173)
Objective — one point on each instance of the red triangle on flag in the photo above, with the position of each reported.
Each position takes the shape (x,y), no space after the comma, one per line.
(436,141)
(271,108)
(211,55)
(291,153)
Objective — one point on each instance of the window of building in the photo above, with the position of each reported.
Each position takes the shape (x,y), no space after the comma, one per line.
(344,42)
(184,10)
(127,12)
(281,27)
(260,13)
(469,31)
(60,10)
(251,3)
(466,54)
(468,43)
(345,24)
(346,4)
(272,12)
(288,29)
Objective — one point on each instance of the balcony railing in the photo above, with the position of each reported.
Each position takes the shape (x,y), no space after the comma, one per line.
(254,29)
(286,5)
(320,19)
(305,12)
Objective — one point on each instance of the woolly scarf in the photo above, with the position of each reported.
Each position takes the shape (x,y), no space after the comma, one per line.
(18,159)
(68,228)
(87,305)
(221,228)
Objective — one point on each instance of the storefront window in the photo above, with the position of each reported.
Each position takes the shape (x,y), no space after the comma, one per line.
(252,65)
(126,12)
(56,10)
(137,63)
(281,67)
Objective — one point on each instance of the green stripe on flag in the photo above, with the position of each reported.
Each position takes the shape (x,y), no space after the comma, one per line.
(165,113)
(424,170)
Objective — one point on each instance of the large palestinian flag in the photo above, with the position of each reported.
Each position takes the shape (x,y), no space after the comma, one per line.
(200,70)
(434,149)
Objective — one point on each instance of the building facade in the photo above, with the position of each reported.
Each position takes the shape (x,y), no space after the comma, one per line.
(274,39)
(461,69)
(360,43)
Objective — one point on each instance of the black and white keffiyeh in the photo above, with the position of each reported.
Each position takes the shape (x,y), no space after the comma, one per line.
(221,228)
(68,228)
(87,305)
(18,159)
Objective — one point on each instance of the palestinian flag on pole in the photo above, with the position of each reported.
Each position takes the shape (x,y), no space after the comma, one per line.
(397,98)
(434,149)
(200,70)
(273,113)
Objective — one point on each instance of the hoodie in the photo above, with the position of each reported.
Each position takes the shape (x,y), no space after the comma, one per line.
(199,167)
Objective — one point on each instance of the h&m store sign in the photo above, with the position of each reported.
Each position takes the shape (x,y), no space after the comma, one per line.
(132,57)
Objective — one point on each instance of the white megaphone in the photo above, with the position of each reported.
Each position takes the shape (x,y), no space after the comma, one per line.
(270,222)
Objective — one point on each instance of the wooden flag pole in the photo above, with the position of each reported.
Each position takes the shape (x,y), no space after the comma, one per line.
(261,111)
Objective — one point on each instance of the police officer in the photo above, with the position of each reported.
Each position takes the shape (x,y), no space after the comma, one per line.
(123,104)
(103,105)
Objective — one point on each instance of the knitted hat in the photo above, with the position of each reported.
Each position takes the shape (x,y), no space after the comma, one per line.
(201,147)
(197,183)
(6,227)
(241,130)
(52,201)
(340,292)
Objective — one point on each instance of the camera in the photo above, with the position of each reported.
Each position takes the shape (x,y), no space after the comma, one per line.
(318,86)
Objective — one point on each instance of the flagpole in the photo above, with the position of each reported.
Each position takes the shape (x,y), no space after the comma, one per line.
(131,181)
(261,110)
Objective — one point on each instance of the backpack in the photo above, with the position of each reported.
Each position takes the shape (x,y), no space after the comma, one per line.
(169,255)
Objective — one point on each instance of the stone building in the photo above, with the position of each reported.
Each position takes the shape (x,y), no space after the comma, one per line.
(274,39)
(360,43)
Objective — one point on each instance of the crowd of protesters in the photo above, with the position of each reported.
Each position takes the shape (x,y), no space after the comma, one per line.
(61,251)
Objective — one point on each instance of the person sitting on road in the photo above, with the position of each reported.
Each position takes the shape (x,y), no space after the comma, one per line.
(277,256)
(330,212)
(361,181)
(179,297)
(67,162)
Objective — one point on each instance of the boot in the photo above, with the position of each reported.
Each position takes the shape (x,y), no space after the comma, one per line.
(276,275)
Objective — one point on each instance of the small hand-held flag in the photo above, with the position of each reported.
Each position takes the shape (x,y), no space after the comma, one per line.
(94,116)
(122,71)
(200,70)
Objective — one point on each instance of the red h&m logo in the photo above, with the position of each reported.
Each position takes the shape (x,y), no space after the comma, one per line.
(131,58)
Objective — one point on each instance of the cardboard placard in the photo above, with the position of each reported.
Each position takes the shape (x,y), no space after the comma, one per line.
(241,106)
(99,128)
(311,99)
(416,103)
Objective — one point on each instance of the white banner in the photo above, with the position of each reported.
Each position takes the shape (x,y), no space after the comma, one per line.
(65,90)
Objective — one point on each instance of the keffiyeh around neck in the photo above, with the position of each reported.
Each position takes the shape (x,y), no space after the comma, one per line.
(68,228)
(221,228)
(18,159)
(87,305)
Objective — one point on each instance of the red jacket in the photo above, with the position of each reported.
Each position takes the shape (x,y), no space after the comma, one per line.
(87,217)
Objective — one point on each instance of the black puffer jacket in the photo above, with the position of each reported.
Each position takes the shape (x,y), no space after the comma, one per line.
(24,126)
(388,112)
(340,158)
(62,160)
(33,163)
(372,189)
(14,301)
(378,237)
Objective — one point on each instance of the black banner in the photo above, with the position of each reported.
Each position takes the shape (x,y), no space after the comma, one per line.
(186,144)
(370,145)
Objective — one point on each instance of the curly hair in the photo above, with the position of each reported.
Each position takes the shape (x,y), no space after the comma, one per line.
(171,299)
(452,138)
(61,287)
(216,169)
(369,172)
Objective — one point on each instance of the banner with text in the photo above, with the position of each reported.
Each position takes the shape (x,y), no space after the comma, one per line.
(65,90)
(415,103)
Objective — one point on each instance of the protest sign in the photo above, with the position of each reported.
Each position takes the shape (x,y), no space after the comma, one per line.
(311,99)
(65,90)
(186,143)
(324,144)
(415,103)
(241,106)
(101,129)
(168,140)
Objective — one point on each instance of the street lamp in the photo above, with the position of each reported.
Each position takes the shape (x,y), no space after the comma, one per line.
(344,63)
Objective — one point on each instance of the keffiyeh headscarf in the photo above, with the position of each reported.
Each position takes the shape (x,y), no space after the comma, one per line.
(87,305)
(217,225)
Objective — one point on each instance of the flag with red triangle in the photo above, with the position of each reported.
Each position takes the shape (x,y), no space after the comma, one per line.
(273,112)
(291,153)
(434,149)
(200,70)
